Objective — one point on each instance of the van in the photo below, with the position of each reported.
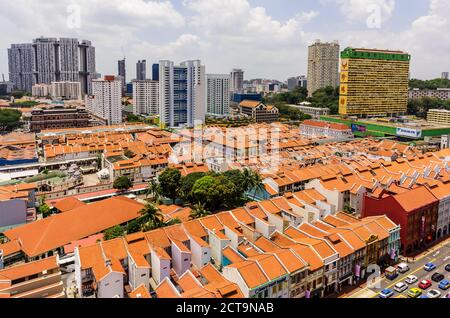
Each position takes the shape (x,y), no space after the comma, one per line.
(402,267)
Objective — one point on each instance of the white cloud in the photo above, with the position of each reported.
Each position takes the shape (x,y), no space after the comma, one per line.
(362,10)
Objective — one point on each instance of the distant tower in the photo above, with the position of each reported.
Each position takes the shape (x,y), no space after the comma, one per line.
(141,73)
(122,72)
(444,75)
(323,66)
(237,80)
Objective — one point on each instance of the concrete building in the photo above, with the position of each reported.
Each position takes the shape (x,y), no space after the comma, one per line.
(141,72)
(106,101)
(182,93)
(41,90)
(122,73)
(47,60)
(155,72)
(441,93)
(439,116)
(237,80)
(145,97)
(445,75)
(373,82)
(323,66)
(312,128)
(66,90)
(259,112)
(218,94)
(57,118)
(299,81)
(314,112)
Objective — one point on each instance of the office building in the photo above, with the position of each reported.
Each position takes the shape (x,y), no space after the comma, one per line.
(323,66)
(48,60)
(122,72)
(373,82)
(218,94)
(439,116)
(314,112)
(145,97)
(182,93)
(106,100)
(441,93)
(155,72)
(65,90)
(445,75)
(141,73)
(237,80)
(294,82)
(5,88)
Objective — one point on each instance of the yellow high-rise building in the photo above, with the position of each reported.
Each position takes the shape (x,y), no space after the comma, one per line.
(373,82)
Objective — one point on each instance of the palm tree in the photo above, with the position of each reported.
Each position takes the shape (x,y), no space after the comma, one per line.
(199,211)
(154,190)
(251,180)
(151,218)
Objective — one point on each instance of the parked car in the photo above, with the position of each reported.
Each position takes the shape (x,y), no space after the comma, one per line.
(437,277)
(424,284)
(414,292)
(403,267)
(400,287)
(429,267)
(444,284)
(433,293)
(386,293)
(411,279)
(447,267)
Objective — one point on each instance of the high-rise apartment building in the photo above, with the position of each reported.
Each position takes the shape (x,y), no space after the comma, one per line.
(145,97)
(66,90)
(182,93)
(106,99)
(48,60)
(445,75)
(237,80)
(373,82)
(218,94)
(323,66)
(141,73)
(122,72)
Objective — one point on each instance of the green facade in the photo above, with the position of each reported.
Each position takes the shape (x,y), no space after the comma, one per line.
(379,130)
(374,55)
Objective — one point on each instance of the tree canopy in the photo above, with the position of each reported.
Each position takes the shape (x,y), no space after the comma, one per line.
(170,182)
(9,119)
(122,183)
(113,233)
(429,84)
(420,106)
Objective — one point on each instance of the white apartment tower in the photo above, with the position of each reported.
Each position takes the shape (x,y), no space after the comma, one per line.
(182,93)
(218,94)
(237,80)
(323,66)
(66,90)
(145,97)
(106,99)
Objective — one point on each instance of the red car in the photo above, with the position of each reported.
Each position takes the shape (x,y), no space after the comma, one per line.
(425,284)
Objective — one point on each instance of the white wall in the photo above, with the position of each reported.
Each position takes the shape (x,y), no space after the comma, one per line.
(111,285)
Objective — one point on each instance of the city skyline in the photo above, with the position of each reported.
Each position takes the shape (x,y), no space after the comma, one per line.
(183,30)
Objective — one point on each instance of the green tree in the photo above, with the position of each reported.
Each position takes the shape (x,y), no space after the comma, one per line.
(170,182)
(9,119)
(151,218)
(199,211)
(187,183)
(45,210)
(327,97)
(153,190)
(133,226)
(113,233)
(122,183)
(173,222)
(206,191)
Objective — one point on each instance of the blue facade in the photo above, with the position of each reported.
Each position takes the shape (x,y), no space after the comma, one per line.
(155,72)
(239,97)
(5,162)
(180,96)
(129,88)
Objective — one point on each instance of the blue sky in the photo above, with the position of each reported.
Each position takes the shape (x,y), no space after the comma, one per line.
(267,38)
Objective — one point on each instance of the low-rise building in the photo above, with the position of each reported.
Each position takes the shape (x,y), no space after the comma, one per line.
(441,93)
(259,112)
(58,118)
(439,116)
(313,128)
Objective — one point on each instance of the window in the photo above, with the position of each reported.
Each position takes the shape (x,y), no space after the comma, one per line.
(143,275)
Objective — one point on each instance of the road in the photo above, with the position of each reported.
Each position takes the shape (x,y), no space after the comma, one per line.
(438,255)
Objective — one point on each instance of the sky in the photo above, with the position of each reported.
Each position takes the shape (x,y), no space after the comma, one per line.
(266,38)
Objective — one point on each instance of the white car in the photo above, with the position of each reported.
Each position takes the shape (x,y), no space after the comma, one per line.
(400,287)
(433,293)
(411,279)
(402,268)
